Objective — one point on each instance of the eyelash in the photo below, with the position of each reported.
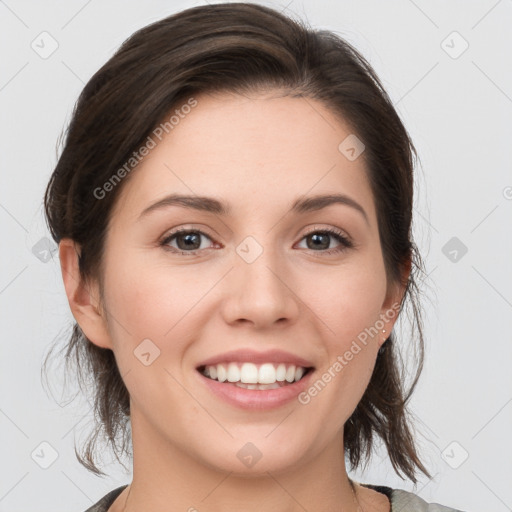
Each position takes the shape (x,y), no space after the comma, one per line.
(338,235)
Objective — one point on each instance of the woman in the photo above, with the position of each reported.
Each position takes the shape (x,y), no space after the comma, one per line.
(233,210)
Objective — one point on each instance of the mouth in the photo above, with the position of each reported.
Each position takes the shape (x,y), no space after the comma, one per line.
(255,385)
(255,380)
(261,377)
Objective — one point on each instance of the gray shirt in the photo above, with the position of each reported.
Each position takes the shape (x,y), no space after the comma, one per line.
(401,501)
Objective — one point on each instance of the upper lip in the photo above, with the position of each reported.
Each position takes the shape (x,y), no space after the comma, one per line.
(256,357)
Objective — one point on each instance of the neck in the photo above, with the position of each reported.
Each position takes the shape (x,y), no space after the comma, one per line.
(167,478)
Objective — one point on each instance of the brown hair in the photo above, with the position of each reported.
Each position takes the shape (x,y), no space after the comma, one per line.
(240,48)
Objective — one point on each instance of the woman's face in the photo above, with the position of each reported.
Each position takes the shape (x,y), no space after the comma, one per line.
(255,287)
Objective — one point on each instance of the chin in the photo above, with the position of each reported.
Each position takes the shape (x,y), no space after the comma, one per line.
(255,453)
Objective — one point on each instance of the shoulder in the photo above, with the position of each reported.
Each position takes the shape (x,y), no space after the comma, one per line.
(404,500)
(104,503)
(407,501)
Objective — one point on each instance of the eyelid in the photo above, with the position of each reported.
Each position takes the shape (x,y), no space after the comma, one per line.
(328,229)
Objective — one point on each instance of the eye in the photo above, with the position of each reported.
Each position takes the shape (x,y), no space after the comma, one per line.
(188,241)
(320,240)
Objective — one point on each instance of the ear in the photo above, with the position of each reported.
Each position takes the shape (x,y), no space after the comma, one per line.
(391,305)
(83,297)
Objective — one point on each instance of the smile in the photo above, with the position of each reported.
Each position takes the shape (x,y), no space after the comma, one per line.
(270,385)
(255,376)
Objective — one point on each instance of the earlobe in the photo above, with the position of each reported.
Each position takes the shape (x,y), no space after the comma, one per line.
(83,298)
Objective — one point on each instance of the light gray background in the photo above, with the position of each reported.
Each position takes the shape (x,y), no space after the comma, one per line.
(458,110)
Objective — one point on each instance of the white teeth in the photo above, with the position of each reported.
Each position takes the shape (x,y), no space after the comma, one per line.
(252,376)
(249,373)
(267,374)
(246,386)
(275,385)
(280,373)
(221,373)
(290,373)
(233,372)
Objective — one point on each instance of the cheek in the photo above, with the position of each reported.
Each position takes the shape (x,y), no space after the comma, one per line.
(351,310)
(152,301)
(352,304)
(150,313)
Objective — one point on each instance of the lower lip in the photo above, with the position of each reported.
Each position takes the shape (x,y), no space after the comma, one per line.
(256,398)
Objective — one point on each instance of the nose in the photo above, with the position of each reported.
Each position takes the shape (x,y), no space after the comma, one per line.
(260,293)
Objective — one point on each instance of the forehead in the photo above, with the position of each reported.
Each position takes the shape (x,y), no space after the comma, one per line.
(251,151)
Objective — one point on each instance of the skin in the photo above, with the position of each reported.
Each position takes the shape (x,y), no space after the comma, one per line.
(258,153)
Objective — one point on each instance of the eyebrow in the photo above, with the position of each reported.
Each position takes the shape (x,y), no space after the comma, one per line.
(212,205)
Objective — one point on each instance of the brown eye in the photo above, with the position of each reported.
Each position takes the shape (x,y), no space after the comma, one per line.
(320,240)
(187,240)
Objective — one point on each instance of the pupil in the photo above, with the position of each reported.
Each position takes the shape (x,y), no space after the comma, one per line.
(315,237)
(188,240)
